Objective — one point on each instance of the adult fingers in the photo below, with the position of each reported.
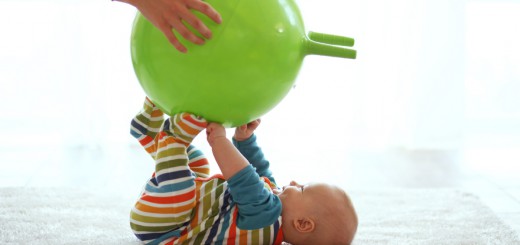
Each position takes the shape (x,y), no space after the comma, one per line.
(177,24)
(196,23)
(167,31)
(206,9)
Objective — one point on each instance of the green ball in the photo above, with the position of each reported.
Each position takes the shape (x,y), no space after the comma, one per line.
(242,72)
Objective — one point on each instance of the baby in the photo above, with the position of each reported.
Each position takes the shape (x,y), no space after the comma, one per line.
(182,204)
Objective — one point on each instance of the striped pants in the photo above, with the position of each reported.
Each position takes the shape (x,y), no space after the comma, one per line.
(169,196)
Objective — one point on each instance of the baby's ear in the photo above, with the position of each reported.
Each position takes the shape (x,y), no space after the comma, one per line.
(304,225)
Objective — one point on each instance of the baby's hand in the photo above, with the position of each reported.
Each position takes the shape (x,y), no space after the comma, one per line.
(244,132)
(215,131)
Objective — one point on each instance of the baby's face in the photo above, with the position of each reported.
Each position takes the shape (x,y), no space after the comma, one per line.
(297,198)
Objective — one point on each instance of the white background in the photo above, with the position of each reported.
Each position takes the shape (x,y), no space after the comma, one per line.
(430,74)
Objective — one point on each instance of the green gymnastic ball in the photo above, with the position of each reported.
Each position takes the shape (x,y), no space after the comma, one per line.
(242,72)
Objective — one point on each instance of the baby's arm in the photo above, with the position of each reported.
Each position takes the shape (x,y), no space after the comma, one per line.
(145,126)
(257,206)
(227,156)
(245,141)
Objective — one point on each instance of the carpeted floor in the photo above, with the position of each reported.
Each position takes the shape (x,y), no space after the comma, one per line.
(433,216)
(403,216)
(63,216)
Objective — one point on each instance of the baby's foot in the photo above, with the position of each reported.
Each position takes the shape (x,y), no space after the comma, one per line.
(185,126)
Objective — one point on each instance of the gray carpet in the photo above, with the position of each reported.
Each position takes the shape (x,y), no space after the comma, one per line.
(68,216)
(434,216)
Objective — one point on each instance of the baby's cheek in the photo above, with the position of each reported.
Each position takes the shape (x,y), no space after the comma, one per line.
(282,196)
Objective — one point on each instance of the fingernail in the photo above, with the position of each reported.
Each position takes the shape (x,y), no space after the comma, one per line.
(208,34)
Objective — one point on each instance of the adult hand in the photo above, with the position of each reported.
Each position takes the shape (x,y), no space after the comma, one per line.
(175,14)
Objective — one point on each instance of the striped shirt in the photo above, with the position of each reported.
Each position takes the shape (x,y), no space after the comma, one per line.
(181,204)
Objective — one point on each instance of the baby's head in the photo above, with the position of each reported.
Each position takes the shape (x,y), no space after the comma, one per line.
(317,213)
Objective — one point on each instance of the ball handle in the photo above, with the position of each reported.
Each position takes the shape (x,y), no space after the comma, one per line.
(329,45)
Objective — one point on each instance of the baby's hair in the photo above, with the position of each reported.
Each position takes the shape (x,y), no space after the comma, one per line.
(336,221)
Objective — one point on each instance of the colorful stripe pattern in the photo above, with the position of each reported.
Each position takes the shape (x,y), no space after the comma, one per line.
(179,203)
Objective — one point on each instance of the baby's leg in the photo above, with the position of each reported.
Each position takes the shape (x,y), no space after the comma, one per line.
(145,126)
(198,162)
(169,196)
